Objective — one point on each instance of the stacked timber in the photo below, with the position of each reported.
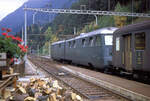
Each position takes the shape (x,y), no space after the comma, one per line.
(44,90)
(8,79)
(8,85)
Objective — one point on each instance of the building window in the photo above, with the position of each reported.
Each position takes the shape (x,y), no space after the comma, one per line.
(140,41)
(117,44)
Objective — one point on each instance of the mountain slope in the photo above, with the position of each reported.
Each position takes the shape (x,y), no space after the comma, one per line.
(15,20)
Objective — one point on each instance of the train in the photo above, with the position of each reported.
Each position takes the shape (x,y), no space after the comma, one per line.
(124,50)
(90,49)
(131,49)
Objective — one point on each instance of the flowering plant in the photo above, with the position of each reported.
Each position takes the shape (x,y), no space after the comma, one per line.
(12,45)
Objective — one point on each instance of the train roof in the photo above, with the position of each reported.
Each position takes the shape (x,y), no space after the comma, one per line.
(58,42)
(106,30)
(133,27)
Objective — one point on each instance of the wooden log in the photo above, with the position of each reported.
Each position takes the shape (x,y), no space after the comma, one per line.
(5,83)
(73,96)
(4,72)
(52,97)
(6,93)
(29,99)
(15,82)
(10,75)
(21,90)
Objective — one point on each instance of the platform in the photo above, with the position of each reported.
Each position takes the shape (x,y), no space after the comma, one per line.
(31,71)
(131,89)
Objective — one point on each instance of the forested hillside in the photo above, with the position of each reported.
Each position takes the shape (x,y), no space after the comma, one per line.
(64,24)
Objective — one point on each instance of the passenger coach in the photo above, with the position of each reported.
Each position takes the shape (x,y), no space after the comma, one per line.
(90,49)
(58,50)
(131,50)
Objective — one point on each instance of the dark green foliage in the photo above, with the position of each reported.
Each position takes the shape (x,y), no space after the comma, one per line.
(69,21)
(106,21)
(64,24)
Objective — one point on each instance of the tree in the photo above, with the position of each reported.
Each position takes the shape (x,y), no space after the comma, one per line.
(48,34)
(120,21)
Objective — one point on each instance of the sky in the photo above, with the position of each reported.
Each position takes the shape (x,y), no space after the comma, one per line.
(8,6)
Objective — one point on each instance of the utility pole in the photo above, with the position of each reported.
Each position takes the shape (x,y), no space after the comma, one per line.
(132,11)
(49,49)
(108,5)
(96,19)
(38,50)
(25,22)
(22,35)
(74,30)
(34,17)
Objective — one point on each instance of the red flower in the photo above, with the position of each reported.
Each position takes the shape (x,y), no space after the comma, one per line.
(5,34)
(8,30)
(21,46)
(13,37)
(24,50)
(11,61)
(19,39)
(8,36)
(26,47)
(3,29)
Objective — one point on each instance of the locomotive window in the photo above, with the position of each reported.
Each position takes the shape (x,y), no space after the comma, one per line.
(83,42)
(140,41)
(98,41)
(108,39)
(91,41)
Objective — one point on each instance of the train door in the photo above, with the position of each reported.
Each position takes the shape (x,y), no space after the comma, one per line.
(127,52)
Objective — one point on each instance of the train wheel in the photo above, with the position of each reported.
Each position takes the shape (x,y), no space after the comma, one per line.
(135,76)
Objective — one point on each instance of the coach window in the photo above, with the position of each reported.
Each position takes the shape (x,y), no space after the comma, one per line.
(69,44)
(117,44)
(98,41)
(108,39)
(59,45)
(140,41)
(83,42)
(91,41)
(74,44)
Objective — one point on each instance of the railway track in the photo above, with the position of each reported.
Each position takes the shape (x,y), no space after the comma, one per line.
(84,88)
